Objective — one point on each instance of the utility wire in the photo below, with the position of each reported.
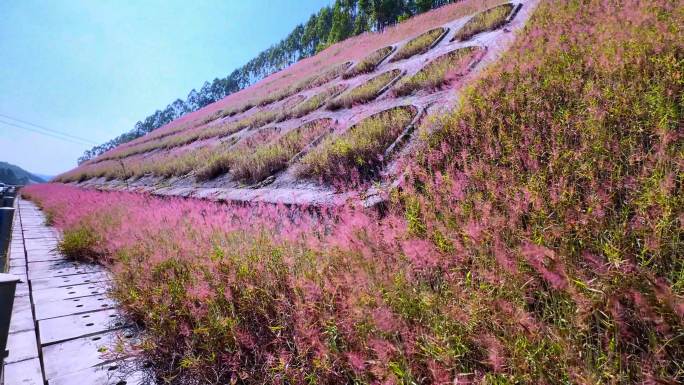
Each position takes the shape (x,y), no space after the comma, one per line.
(44,133)
(47,129)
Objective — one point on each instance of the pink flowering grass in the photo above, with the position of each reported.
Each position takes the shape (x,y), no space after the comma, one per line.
(559,165)
(536,237)
(316,80)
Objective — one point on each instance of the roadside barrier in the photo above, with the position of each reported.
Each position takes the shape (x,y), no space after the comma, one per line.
(8,284)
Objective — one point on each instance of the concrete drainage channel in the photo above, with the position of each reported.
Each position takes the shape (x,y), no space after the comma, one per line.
(63,323)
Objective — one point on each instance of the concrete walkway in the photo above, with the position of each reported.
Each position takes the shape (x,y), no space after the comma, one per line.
(63,323)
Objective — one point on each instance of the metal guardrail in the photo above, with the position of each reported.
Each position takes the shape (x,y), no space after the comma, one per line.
(6,216)
(7,196)
(8,284)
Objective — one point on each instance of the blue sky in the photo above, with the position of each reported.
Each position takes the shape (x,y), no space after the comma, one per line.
(92,68)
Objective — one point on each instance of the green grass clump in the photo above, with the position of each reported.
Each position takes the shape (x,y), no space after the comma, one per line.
(225,158)
(220,164)
(271,158)
(315,101)
(177,165)
(437,72)
(369,63)
(418,45)
(488,20)
(359,150)
(261,118)
(365,92)
(80,244)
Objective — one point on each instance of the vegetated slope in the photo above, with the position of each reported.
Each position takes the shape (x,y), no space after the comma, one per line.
(331,24)
(536,238)
(347,83)
(11,174)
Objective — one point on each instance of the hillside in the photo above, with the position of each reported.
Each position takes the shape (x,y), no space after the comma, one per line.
(11,174)
(279,140)
(332,23)
(532,232)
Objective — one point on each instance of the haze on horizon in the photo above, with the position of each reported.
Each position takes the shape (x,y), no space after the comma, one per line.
(93,69)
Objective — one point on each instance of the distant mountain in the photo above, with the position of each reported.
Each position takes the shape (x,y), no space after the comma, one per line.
(11,174)
(44,177)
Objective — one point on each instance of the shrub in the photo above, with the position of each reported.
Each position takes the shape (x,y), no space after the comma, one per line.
(488,20)
(271,158)
(437,72)
(418,45)
(359,150)
(369,63)
(365,92)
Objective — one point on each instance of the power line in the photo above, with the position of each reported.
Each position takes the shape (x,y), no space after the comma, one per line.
(48,129)
(43,133)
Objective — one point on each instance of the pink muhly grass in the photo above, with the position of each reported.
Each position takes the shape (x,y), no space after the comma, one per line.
(356,361)
(421,253)
(537,182)
(384,320)
(545,262)
(495,353)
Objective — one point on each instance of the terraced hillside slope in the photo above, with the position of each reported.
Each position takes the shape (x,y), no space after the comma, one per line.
(302,135)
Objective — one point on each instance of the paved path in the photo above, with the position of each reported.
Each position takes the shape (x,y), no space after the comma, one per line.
(63,323)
